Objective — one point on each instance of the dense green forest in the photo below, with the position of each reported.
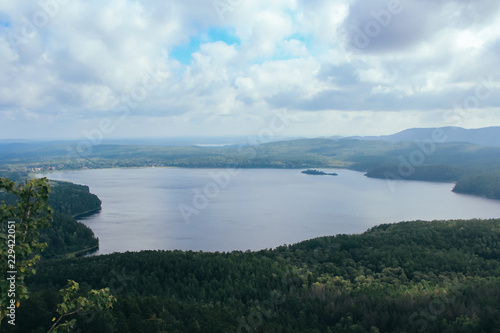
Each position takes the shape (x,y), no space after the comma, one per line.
(440,276)
(65,235)
(72,199)
(486,184)
(430,161)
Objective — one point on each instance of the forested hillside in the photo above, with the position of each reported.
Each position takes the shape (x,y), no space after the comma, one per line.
(486,136)
(72,199)
(347,153)
(440,276)
(65,235)
(485,184)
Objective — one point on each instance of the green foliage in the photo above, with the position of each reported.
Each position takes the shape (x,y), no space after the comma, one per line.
(96,300)
(66,235)
(15,176)
(30,215)
(72,199)
(439,276)
(21,223)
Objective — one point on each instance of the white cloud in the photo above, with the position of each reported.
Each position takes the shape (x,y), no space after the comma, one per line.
(295,54)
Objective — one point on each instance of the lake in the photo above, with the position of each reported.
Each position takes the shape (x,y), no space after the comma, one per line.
(224,210)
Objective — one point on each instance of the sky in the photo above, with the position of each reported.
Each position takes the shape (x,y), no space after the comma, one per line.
(72,69)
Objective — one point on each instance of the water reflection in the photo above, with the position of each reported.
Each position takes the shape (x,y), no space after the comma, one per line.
(259,208)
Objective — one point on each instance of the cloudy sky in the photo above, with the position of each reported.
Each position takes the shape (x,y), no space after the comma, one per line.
(144,68)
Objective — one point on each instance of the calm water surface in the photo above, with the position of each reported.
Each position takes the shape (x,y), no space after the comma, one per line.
(257,208)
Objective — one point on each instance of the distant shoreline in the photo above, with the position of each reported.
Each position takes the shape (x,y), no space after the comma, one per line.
(87,213)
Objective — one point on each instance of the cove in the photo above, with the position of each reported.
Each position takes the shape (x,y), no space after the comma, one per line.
(253,209)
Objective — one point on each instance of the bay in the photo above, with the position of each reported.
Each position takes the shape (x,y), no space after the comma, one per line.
(225,210)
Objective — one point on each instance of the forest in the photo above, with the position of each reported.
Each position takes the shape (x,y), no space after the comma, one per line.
(65,236)
(485,184)
(438,276)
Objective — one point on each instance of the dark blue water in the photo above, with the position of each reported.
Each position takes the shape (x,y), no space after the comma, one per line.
(217,210)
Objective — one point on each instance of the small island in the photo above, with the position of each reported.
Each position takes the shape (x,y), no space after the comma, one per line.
(318,173)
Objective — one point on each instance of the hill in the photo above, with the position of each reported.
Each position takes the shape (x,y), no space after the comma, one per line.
(65,235)
(488,136)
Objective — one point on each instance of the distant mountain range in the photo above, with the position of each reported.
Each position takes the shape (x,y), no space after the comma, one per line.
(487,136)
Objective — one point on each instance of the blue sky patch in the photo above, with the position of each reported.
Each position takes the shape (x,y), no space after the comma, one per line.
(183,53)
(227,36)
